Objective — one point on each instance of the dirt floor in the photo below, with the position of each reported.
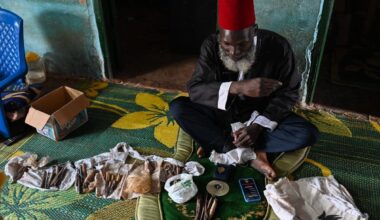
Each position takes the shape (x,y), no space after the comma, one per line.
(172,76)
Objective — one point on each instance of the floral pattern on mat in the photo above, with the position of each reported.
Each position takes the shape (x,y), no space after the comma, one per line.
(156,114)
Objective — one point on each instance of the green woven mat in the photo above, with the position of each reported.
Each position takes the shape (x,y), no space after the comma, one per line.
(349,149)
(119,114)
(231,206)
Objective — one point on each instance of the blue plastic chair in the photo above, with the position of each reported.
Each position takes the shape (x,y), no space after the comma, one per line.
(12,58)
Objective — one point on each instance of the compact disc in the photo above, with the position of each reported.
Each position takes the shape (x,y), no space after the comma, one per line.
(217,188)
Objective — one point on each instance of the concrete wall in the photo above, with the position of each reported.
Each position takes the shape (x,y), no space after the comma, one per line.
(65,32)
(297,20)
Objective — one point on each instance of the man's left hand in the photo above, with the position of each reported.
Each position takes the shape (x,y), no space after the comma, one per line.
(247,136)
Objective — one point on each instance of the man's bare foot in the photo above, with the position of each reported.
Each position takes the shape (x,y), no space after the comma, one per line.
(262,165)
(200,152)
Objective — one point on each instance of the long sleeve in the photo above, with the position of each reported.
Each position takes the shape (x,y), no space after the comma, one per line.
(203,86)
(282,101)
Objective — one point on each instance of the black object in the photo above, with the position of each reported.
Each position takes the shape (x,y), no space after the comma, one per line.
(14,139)
(223,172)
(18,130)
(191,21)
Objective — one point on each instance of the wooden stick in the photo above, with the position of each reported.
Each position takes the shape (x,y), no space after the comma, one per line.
(84,170)
(60,176)
(89,178)
(210,201)
(57,170)
(20,173)
(107,183)
(43,179)
(198,209)
(116,182)
(80,182)
(77,181)
(51,176)
(204,208)
(46,180)
(213,207)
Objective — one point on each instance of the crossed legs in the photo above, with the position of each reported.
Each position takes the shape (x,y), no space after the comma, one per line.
(208,128)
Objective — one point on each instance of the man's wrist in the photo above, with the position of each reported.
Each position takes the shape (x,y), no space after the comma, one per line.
(234,88)
(257,126)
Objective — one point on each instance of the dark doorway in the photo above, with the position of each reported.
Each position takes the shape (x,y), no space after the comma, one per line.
(350,73)
(156,42)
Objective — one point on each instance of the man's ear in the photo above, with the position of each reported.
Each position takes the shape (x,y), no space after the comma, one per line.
(252,30)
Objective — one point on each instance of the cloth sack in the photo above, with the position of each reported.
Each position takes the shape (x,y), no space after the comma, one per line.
(312,198)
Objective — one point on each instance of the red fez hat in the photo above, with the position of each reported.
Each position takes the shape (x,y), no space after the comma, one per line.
(236,14)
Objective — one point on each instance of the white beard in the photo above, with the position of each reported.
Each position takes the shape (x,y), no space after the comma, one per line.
(242,65)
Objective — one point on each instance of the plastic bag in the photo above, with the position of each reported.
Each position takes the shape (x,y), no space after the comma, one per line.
(181,188)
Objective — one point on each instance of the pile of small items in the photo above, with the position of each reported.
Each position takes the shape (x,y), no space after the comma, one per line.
(107,174)
(84,179)
(205,207)
(53,177)
(108,182)
(112,182)
(168,170)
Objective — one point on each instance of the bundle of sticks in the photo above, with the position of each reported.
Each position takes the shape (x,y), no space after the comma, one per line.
(111,182)
(205,207)
(84,178)
(53,178)
(20,172)
(168,170)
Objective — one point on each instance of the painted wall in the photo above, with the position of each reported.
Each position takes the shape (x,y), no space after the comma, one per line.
(65,32)
(297,20)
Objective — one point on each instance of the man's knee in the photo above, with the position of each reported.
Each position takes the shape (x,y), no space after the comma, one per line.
(310,135)
(178,106)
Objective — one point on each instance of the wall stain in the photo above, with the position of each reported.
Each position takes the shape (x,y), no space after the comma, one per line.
(64,32)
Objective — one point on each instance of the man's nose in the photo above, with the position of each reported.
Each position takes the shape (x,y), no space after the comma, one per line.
(235,52)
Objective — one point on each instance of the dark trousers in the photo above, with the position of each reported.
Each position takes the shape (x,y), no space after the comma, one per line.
(211,128)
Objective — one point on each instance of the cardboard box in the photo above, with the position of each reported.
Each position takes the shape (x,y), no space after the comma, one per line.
(58,113)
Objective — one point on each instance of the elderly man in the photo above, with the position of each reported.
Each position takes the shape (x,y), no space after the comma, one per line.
(244,74)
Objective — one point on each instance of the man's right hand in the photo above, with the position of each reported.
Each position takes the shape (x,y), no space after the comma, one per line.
(256,87)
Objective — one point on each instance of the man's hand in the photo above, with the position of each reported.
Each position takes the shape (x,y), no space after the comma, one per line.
(247,136)
(256,87)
